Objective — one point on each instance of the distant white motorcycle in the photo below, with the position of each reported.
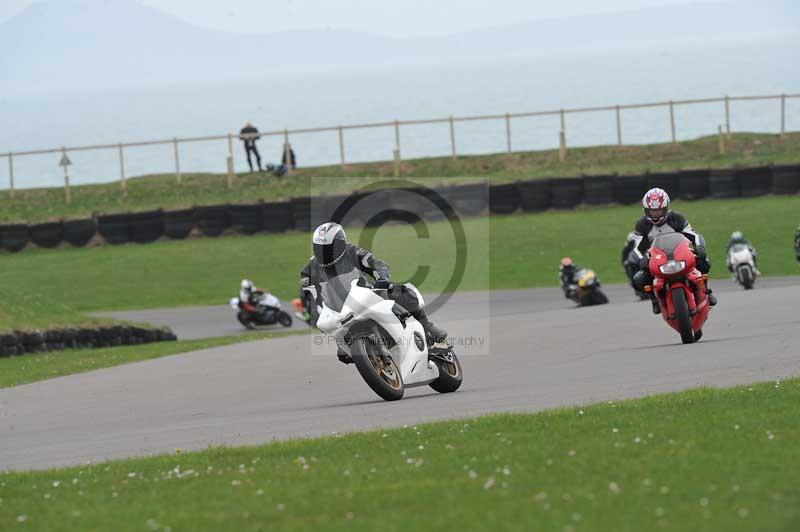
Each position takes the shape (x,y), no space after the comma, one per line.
(386,343)
(744,267)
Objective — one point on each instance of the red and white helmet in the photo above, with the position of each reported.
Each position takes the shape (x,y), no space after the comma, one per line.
(656,205)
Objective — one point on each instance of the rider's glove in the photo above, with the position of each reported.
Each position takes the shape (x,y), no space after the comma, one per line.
(383,284)
(700,251)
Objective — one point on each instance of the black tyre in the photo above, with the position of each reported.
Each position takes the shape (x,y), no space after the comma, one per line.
(244,321)
(379,372)
(450,374)
(599,297)
(682,314)
(698,335)
(746,277)
(284,319)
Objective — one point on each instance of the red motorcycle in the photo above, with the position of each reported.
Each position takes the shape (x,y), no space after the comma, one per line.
(679,287)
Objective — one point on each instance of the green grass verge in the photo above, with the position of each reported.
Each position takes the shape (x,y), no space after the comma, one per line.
(36,367)
(503,252)
(151,192)
(706,459)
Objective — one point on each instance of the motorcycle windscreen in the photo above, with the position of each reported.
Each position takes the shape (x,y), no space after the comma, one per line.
(738,248)
(335,288)
(669,242)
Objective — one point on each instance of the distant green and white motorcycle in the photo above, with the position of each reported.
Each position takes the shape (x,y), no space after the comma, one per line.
(387,344)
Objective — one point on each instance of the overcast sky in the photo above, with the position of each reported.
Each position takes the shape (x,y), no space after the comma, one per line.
(392,17)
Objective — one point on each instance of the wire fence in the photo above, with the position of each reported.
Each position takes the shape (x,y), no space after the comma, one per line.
(398,127)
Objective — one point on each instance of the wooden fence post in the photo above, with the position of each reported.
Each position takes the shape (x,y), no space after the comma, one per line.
(508,133)
(65,165)
(11,174)
(229,161)
(397,163)
(123,185)
(562,146)
(672,120)
(728,116)
(619,127)
(721,141)
(453,137)
(783,115)
(397,138)
(177,160)
(341,146)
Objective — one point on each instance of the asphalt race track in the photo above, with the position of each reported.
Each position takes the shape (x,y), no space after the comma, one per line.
(538,352)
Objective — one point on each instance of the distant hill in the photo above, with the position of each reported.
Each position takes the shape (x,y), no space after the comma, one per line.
(68,44)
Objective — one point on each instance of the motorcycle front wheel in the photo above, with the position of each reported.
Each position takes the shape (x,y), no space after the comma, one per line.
(683,316)
(244,321)
(284,319)
(450,375)
(377,368)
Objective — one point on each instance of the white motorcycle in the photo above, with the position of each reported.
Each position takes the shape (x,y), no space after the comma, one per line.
(386,343)
(744,267)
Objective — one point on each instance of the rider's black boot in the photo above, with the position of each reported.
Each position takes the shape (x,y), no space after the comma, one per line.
(712,299)
(656,306)
(434,333)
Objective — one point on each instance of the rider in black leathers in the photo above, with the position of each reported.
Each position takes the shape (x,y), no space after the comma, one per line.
(334,256)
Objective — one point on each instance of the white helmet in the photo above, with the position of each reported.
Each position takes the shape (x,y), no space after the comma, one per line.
(656,206)
(330,243)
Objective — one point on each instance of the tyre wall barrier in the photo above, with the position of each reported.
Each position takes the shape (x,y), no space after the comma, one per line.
(535,195)
(301,213)
(723,183)
(47,235)
(629,189)
(115,228)
(755,181)
(212,220)
(566,192)
(371,209)
(246,219)
(598,189)
(146,226)
(178,224)
(467,200)
(35,341)
(786,178)
(79,232)
(14,237)
(693,184)
(504,199)
(664,180)
(277,216)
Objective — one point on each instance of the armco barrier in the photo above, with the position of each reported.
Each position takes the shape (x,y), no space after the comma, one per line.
(664,180)
(212,220)
(693,184)
(14,237)
(47,235)
(35,341)
(629,189)
(504,199)
(567,192)
(146,226)
(114,228)
(535,195)
(755,181)
(468,200)
(723,183)
(79,232)
(785,178)
(598,189)
(277,216)
(178,224)
(246,219)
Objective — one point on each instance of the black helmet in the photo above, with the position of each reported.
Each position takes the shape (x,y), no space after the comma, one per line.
(329,243)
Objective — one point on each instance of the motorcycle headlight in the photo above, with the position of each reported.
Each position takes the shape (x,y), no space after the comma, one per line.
(673,266)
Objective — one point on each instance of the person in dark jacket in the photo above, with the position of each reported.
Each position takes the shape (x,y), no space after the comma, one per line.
(797,243)
(336,262)
(249,135)
(288,147)
(659,219)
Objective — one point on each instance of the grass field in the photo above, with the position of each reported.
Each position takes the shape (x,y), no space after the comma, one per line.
(31,368)
(156,191)
(503,252)
(705,459)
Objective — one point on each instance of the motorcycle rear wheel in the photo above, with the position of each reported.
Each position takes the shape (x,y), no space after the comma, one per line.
(378,371)
(746,277)
(683,316)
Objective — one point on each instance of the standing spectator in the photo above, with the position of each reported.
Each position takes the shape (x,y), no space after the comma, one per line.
(246,134)
(288,147)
